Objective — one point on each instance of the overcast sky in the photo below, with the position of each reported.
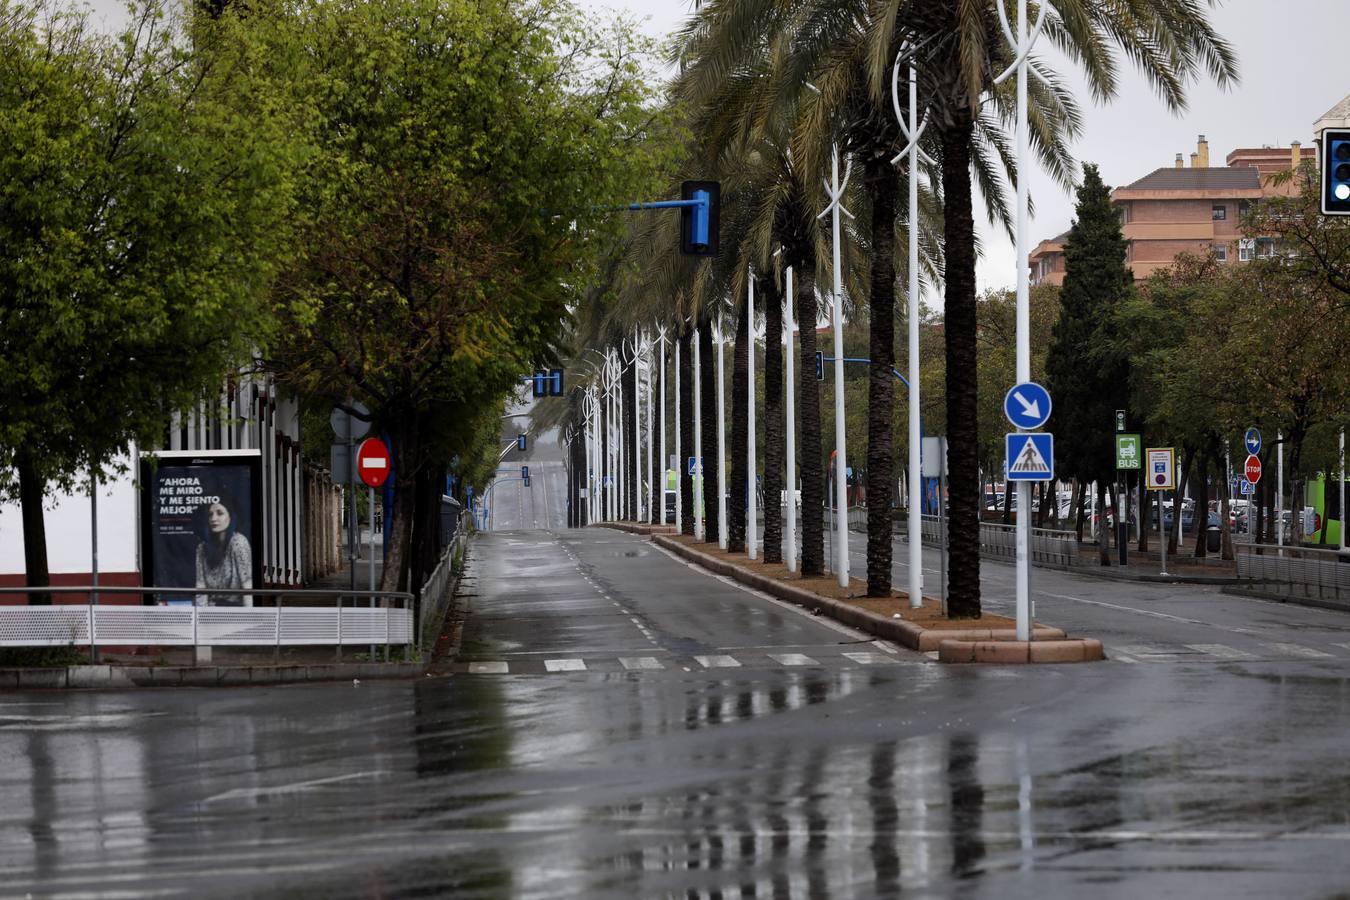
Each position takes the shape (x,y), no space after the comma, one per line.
(1292,60)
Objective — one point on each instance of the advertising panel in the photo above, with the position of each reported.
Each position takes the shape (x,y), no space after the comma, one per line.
(201,524)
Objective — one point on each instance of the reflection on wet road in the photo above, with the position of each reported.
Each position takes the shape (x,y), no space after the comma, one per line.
(767,779)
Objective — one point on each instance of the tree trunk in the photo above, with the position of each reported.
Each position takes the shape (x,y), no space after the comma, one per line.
(810,461)
(1103,534)
(1202,506)
(1077,510)
(740,434)
(1183,478)
(426,545)
(32,488)
(962,408)
(407,451)
(1145,516)
(686,430)
(1007,501)
(772,302)
(707,366)
(881,182)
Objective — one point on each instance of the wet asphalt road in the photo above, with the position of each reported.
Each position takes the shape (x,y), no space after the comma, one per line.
(635,728)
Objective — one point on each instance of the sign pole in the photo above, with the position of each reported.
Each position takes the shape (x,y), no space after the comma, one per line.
(93,544)
(1162,530)
(370,567)
(751,522)
(790,532)
(1341,492)
(679,450)
(1279,488)
(696,478)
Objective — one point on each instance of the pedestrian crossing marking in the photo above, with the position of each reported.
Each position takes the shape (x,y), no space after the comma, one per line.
(565,665)
(717,662)
(488,668)
(640,662)
(1298,651)
(866,657)
(792,659)
(1222,651)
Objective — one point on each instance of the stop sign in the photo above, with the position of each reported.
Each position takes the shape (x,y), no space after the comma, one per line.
(372,462)
(1253,469)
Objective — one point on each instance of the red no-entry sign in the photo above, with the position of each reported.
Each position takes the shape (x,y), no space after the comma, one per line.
(1253,469)
(372,462)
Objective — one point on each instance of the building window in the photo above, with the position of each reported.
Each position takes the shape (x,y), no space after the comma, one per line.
(1246,250)
(1124,213)
(1265,248)
(1221,252)
(1244,207)
(1219,212)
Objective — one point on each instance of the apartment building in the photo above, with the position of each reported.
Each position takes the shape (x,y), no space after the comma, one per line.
(1187,209)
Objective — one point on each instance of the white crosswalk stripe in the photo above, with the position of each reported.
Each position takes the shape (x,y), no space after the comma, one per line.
(792,659)
(640,662)
(1298,651)
(1222,651)
(867,658)
(488,668)
(717,662)
(565,665)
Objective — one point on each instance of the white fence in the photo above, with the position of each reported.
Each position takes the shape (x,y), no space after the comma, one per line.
(996,539)
(338,623)
(1295,571)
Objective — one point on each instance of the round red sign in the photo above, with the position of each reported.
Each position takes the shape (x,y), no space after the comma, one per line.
(1253,469)
(372,462)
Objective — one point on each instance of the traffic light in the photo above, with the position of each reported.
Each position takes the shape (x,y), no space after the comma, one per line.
(820,365)
(700,225)
(1336,172)
(525,472)
(540,383)
(555,383)
(526,482)
(520,442)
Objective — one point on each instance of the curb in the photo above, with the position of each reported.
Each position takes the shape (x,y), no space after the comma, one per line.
(636,528)
(1105,572)
(108,676)
(1021,652)
(1274,596)
(906,634)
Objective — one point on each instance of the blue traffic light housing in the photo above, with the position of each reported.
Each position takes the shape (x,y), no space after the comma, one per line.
(700,217)
(520,442)
(1336,172)
(820,365)
(555,383)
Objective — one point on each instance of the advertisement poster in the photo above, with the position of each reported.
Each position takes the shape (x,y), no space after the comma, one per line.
(201,524)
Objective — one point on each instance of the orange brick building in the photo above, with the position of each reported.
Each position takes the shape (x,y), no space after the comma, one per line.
(1181,209)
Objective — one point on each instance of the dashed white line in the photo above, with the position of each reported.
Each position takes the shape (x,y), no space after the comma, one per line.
(488,668)
(792,659)
(565,665)
(717,662)
(641,662)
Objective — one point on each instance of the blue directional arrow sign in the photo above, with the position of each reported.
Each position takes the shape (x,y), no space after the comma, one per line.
(1252,439)
(1027,405)
(1031,457)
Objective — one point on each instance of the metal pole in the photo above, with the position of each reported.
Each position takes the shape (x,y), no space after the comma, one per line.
(915,428)
(1279,488)
(1162,532)
(679,451)
(351,513)
(637,432)
(791,449)
(93,544)
(1341,492)
(651,436)
(698,492)
(722,525)
(942,530)
(370,568)
(665,464)
(751,520)
(1024,626)
(837,316)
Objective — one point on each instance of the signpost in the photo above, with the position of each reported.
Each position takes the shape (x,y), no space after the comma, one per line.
(348,427)
(1029,457)
(1252,469)
(1161,477)
(373,465)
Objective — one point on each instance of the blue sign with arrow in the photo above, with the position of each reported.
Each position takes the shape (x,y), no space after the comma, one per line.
(1031,457)
(1027,405)
(1252,439)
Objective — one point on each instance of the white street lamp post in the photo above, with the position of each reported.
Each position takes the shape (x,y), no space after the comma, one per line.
(791,442)
(651,436)
(719,337)
(662,460)
(697,477)
(835,189)
(751,522)
(679,451)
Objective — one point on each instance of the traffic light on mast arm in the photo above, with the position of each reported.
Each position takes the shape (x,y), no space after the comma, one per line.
(820,365)
(700,224)
(1336,172)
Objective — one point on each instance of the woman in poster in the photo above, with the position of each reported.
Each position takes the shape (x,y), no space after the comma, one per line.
(224,557)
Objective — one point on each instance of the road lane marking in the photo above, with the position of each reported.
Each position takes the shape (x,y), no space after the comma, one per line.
(488,668)
(640,662)
(1222,651)
(792,659)
(565,665)
(717,662)
(866,657)
(1297,651)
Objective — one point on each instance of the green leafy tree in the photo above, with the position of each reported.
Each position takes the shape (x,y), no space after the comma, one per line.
(143,196)
(1086,375)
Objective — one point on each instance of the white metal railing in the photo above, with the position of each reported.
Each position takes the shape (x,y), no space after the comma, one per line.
(433,597)
(278,625)
(1048,545)
(1295,571)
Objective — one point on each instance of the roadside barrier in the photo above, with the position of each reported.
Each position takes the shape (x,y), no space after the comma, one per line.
(1300,572)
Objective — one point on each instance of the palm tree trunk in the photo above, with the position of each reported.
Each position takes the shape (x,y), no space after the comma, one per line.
(881,181)
(809,451)
(708,409)
(740,434)
(32,487)
(773,419)
(963,548)
(686,429)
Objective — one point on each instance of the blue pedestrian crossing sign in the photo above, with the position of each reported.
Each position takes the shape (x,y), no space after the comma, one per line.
(1027,405)
(695,465)
(1247,487)
(1253,441)
(1031,457)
